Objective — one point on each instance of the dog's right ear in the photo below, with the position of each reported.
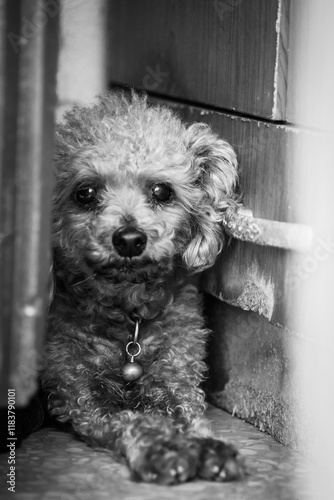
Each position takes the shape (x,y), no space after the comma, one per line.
(214,165)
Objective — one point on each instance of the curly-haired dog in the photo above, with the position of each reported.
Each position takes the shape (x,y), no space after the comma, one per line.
(138,203)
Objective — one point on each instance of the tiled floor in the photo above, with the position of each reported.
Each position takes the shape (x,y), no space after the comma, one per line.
(54,465)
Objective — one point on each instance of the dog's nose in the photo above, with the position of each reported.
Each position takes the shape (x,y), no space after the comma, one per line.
(129,241)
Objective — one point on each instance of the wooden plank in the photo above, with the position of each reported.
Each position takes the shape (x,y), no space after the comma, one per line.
(239,223)
(228,54)
(265,159)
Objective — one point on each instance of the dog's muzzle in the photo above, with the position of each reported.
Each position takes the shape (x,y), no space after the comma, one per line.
(129,241)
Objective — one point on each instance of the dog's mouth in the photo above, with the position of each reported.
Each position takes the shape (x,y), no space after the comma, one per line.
(133,271)
(120,270)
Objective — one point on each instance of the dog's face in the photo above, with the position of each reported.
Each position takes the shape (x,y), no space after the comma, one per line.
(137,191)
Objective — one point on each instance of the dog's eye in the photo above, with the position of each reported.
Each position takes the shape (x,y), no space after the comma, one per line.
(86,196)
(161,193)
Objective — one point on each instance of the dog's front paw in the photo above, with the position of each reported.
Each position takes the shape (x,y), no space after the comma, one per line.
(168,462)
(219,461)
(177,461)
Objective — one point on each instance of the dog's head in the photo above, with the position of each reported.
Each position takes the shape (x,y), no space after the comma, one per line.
(137,189)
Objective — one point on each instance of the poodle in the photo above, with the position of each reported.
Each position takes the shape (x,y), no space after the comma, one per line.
(137,207)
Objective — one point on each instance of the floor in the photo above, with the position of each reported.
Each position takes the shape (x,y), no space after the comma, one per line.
(54,465)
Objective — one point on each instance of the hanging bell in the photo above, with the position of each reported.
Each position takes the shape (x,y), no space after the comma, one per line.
(131,371)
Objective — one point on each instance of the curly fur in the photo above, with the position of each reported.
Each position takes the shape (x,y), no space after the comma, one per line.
(120,148)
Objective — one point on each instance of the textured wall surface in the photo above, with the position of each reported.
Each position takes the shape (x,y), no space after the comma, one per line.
(251,370)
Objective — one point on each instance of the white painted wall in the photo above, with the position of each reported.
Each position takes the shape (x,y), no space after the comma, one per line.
(312,46)
(82,61)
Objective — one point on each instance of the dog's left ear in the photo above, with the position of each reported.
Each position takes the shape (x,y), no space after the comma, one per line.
(214,168)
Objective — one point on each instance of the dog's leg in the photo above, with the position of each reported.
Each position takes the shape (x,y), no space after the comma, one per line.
(159,449)
(160,445)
